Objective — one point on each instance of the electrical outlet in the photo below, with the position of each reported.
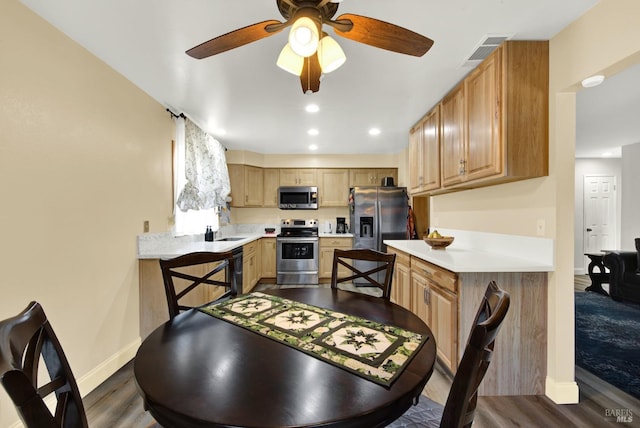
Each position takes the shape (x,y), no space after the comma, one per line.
(145,226)
(540,227)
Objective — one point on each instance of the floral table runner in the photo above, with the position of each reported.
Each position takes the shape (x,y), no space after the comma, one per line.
(372,350)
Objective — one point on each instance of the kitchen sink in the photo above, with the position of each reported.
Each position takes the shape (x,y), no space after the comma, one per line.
(230,238)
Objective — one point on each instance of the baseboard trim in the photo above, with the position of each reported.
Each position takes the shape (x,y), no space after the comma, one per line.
(562,392)
(108,367)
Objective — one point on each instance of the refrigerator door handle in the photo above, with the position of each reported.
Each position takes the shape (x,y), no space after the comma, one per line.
(378,226)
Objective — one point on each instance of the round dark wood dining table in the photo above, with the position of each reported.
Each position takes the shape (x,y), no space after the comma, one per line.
(199,371)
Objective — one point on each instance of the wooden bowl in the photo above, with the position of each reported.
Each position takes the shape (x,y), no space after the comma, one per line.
(439,243)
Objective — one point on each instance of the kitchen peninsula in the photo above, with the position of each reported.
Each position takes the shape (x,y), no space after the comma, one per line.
(444,288)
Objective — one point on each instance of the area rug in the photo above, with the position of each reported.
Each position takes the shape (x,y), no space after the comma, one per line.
(369,349)
(608,340)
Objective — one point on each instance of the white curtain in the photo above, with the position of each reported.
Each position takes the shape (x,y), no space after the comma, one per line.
(201,179)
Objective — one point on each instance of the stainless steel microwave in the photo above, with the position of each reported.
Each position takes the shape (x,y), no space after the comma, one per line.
(298,198)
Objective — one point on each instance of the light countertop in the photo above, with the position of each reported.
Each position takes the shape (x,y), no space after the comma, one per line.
(498,253)
(166,247)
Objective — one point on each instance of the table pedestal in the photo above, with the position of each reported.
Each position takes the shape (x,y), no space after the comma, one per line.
(599,276)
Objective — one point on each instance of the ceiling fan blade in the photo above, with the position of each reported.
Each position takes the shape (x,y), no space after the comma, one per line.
(310,76)
(236,38)
(383,35)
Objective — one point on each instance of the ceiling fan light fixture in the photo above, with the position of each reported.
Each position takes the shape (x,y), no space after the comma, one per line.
(330,54)
(304,36)
(289,61)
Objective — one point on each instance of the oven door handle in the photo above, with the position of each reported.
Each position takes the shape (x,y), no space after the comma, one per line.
(297,240)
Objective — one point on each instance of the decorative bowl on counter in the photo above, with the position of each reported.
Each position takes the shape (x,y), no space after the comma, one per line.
(439,243)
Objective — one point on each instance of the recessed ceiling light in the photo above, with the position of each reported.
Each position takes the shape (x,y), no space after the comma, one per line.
(374,131)
(607,154)
(313,131)
(312,108)
(592,81)
(313,147)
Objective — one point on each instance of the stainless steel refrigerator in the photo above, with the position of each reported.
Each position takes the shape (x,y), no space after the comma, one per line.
(377,214)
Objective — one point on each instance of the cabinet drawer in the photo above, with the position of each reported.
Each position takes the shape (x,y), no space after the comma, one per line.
(402,258)
(250,247)
(341,243)
(443,278)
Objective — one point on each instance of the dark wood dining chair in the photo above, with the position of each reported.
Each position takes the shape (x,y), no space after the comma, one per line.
(195,271)
(460,407)
(25,340)
(379,262)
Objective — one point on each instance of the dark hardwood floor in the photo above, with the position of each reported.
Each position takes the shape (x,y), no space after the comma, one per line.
(116,404)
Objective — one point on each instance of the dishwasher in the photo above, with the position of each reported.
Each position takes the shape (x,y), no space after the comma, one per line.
(237,264)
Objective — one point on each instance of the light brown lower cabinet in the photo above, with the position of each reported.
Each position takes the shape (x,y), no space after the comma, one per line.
(327,245)
(153,300)
(448,301)
(401,283)
(251,263)
(437,306)
(268,258)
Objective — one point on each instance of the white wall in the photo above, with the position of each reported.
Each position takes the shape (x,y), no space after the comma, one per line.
(85,158)
(630,196)
(609,167)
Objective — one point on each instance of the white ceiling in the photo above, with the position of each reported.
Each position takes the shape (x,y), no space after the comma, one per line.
(262,107)
(608,116)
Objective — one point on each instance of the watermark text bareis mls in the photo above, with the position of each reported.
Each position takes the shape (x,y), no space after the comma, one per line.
(619,415)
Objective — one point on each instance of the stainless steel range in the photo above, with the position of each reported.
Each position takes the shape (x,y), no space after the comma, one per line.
(297,253)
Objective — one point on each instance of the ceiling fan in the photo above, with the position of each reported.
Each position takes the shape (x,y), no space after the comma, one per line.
(310,52)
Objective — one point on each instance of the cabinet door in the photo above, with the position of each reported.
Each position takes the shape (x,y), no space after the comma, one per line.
(270,187)
(401,287)
(430,151)
(385,172)
(307,177)
(253,186)
(362,177)
(327,245)
(483,157)
(236,180)
(444,324)
(268,257)
(415,159)
(289,177)
(420,298)
(452,136)
(333,187)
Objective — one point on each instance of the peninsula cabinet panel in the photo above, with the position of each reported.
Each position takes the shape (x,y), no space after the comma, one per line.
(519,361)
(333,187)
(298,177)
(270,187)
(250,266)
(424,154)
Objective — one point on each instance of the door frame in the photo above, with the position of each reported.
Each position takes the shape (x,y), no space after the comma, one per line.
(615,216)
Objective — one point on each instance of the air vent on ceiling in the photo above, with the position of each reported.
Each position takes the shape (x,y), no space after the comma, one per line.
(487,45)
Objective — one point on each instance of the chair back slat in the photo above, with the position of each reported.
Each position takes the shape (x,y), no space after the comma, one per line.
(461,402)
(385,262)
(178,283)
(25,340)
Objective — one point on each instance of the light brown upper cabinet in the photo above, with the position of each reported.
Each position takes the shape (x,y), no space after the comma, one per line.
(495,124)
(298,177)
(371,176)
(246,185)
(424,153)
(452,137)
(333,187)
(271,182)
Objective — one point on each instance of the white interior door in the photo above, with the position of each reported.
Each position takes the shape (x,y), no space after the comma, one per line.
(599,214)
